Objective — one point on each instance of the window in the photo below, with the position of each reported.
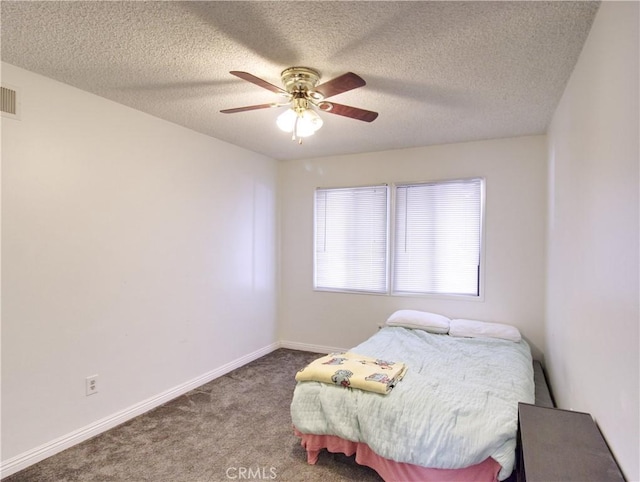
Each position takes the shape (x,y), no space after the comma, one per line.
(351,239)
(437,233)
(438,228)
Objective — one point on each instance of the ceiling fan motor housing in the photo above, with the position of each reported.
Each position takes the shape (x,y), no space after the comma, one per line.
(300,79)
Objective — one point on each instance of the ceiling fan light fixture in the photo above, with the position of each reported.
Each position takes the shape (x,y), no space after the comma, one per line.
(301,122)
(287,120)
(308,123)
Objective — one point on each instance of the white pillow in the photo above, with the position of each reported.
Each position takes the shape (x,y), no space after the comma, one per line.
(420,320)
(483,329)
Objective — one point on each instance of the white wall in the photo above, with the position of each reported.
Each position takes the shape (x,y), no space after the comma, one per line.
(132,248)
(515,173)
(593,289)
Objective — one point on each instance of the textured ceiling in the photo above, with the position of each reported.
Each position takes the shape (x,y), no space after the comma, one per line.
(437,72)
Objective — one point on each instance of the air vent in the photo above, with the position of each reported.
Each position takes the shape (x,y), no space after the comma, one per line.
(9,102)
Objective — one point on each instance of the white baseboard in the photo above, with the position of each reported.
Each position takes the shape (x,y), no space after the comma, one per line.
(294,345)
(37,454)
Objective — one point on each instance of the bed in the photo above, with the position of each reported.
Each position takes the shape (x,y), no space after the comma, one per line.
(452,417)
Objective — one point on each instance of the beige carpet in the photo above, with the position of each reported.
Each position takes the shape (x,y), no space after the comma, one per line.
(235,428)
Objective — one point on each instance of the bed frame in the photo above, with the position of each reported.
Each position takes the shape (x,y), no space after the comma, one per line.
(543,394)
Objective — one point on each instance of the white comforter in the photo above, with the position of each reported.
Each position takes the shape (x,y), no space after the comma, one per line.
(456,406)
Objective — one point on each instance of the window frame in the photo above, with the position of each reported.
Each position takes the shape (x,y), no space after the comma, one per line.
(387,254)
(391,242)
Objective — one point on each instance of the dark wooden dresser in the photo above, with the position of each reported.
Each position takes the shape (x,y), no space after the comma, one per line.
(557,445)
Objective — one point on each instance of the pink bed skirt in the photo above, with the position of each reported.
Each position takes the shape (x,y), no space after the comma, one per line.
(391,471)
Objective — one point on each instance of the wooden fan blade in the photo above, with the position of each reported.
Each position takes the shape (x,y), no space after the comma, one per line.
(249,107)
(343,83)
(348,111)
(257,81)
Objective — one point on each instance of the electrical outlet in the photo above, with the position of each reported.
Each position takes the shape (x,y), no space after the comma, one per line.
(92,384)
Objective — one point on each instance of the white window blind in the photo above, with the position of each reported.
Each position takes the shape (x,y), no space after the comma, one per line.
(438,231)
(351,239)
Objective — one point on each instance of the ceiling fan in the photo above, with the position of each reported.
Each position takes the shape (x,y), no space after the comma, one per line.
(304,96)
